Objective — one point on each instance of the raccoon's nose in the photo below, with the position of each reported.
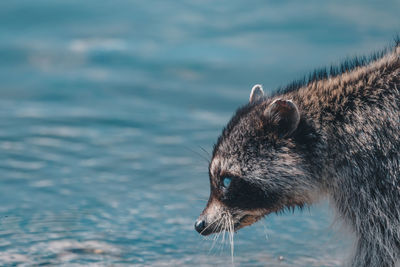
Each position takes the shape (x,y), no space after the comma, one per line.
(200,225)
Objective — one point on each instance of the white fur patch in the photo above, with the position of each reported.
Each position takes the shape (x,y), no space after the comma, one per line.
(257,92)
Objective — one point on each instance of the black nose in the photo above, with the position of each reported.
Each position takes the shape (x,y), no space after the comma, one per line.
(200,225)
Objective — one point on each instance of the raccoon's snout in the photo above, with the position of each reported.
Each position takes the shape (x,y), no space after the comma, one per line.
(200,225)
(206,225)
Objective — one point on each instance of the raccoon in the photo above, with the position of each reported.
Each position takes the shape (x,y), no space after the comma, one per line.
(335,135)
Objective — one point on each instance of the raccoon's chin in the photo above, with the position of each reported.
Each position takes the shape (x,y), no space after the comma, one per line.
(247,220)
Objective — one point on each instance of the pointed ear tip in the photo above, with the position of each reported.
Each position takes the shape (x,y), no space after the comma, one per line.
(257,87)
(257,93)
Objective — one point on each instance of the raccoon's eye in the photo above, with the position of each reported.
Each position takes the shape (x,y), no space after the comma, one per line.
(226,182)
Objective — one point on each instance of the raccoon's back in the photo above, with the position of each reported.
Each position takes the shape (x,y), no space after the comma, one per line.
(358,115)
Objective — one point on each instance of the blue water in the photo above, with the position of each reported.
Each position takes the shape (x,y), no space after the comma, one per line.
(105,107)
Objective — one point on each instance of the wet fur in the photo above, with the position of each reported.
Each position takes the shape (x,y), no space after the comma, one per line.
(346,145)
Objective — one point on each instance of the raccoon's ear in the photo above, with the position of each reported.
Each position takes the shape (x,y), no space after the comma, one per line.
(257,93)
(283,116)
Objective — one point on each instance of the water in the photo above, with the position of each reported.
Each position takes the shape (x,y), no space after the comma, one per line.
(104,108)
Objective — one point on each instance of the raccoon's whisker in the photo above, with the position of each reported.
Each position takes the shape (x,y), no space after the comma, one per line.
(223,241)
(198,154)
(213,243)
(198,199)
(223,234)
(224,230)
(210,224)
(220,245)
(208,153)
(216,236)
(231,233)
(265,229)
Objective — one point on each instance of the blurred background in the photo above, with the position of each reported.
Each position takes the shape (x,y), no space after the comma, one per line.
(106,106)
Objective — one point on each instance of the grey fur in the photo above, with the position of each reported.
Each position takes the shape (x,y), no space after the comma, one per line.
(346,144)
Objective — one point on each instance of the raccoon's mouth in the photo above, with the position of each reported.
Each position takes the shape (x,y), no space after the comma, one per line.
(245,220)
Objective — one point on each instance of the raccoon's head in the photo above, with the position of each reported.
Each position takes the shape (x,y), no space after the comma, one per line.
(257,166)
